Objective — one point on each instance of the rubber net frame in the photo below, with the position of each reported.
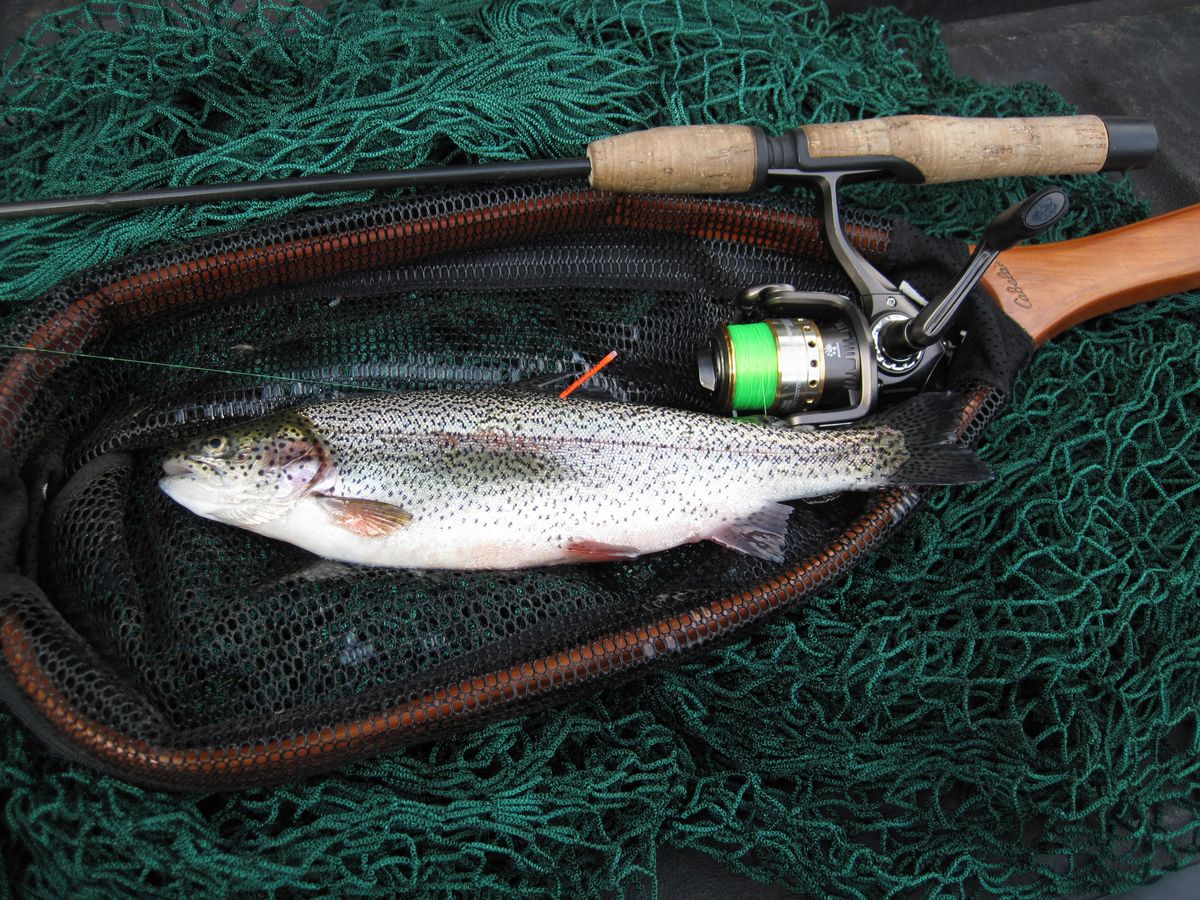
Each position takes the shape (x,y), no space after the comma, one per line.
(180,653)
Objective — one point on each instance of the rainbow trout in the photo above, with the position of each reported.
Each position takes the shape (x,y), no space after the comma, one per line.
(507,479)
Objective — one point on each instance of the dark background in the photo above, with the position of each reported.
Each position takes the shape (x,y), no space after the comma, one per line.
(1109,57)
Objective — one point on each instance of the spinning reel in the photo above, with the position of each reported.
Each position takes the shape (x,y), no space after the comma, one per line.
(824,359)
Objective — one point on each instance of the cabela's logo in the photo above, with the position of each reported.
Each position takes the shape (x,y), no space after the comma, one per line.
(1019,296)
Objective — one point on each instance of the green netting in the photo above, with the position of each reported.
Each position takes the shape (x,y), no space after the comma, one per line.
(1004,700)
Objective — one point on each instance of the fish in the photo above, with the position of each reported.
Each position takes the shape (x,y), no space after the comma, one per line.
(507,479)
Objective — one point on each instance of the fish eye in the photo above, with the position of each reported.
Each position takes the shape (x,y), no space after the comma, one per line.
(215,444)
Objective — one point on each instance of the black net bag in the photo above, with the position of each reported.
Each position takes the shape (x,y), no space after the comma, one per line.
(176,652)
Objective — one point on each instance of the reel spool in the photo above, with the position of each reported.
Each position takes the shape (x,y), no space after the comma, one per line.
(805,363)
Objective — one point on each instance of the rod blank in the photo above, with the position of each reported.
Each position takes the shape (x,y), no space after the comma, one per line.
(289,187)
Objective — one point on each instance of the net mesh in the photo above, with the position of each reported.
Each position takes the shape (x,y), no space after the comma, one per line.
(1018,720)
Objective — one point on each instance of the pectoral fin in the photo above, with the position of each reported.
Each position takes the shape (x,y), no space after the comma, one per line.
(370,518)
(252,514)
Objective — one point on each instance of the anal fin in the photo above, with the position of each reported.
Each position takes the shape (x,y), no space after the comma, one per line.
(370,518)
(760,534)
(597,551)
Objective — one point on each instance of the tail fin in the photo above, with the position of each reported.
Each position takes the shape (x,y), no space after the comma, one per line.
(927,423)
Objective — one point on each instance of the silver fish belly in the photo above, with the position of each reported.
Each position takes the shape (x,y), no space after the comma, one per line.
(501,480)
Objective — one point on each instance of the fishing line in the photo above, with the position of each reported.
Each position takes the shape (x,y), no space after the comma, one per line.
(79,354)
(755,356)
(168,365)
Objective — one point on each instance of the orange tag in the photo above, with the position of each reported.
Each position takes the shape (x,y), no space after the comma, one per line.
(588,374)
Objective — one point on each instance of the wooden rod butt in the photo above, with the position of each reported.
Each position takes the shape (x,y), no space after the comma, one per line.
(1048,288)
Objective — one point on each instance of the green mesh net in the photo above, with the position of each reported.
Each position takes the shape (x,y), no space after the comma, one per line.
(1001,701)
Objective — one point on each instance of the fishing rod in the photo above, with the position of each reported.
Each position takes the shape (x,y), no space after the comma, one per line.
(729,159)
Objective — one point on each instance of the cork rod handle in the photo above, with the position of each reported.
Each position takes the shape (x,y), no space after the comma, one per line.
(677,159)
(948,148)
(727,159)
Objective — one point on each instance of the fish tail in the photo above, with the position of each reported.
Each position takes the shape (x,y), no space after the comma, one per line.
(928,426)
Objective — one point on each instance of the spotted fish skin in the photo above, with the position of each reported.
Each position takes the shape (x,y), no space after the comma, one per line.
(508,479)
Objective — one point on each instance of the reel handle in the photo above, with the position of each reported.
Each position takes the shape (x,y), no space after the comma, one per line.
(1028,218)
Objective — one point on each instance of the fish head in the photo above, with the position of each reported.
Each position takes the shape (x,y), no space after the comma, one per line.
(247,474)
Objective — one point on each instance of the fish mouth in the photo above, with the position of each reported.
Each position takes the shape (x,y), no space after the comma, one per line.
(175,467)
(192,493)
(191,467)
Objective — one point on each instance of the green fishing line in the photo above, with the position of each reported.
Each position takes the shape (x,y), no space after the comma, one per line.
(755,366)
